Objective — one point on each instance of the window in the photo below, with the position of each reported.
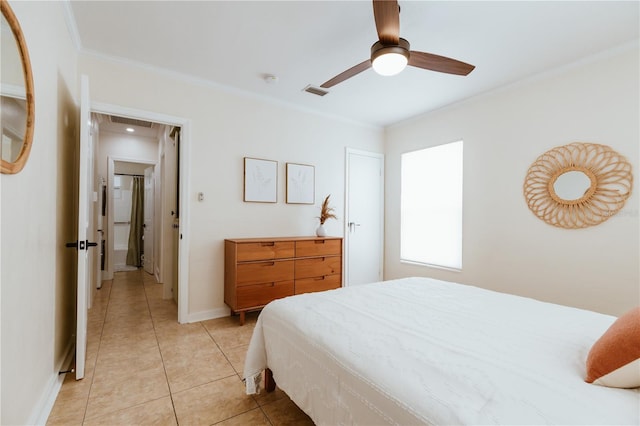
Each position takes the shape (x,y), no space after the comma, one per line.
(431,206)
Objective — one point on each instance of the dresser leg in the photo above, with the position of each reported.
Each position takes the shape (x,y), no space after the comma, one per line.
(241,317)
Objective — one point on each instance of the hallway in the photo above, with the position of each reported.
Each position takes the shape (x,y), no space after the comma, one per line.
(143,367)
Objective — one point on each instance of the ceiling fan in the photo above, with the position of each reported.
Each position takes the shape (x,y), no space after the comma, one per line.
(391,54)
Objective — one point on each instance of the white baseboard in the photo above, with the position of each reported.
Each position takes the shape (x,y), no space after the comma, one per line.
(43,408)
(210,314)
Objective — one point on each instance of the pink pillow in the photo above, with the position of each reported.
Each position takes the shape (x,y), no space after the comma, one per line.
(614,359)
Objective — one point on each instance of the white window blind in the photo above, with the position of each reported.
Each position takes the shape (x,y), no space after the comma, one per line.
(431,206)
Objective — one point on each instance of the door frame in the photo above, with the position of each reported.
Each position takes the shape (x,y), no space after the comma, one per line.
(185,147)
(380,156)
(146,228)
(111,167)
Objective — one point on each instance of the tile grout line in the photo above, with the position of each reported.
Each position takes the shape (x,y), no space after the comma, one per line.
(223,354)
(239,375)
(95,363)
(164,368)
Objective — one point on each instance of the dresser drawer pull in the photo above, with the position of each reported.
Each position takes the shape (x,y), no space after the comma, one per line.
(268,244)
(319,241)
(267,264)
(319,278)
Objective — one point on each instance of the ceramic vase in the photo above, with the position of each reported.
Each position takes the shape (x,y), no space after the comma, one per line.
(320,231)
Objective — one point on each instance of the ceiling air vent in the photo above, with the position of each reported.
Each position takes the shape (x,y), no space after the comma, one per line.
(131,121)
(315,90)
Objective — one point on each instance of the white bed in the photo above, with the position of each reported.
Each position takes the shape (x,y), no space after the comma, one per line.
(423,351)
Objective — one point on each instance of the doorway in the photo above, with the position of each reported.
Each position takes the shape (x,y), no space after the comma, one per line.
(162,166)
(132,220)
(364,213)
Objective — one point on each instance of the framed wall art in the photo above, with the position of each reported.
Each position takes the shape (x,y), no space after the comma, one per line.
(301,187)
(260,180)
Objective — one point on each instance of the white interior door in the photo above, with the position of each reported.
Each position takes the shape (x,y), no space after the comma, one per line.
(84,216)
(365,217)
(147,227)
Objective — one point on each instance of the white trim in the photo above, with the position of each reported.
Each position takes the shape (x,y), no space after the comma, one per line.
(42,410)
(185,185)
(380,156)
(608,53)
(13,91)
(210,314)
(123,111)
(183,239)
(70,19)
(430,265)
(191,79)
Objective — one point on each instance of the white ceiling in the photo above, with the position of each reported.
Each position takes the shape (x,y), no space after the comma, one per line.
(234,44)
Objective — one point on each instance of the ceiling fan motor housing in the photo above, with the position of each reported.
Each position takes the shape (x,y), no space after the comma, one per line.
(390,54)
(379,49)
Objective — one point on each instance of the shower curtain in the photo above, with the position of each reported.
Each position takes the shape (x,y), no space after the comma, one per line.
(134,252)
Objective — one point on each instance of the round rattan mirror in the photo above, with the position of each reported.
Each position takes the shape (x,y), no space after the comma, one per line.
(578,185)
(18,108)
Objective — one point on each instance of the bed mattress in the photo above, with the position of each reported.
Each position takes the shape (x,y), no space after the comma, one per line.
(424,351)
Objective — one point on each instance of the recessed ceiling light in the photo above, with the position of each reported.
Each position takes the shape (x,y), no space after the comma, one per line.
(130,129)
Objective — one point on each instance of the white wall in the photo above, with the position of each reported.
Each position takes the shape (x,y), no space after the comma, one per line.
(506,247)
(37,271)
(225,127)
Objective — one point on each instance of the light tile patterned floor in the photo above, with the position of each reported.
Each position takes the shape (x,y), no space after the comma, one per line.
(144,368)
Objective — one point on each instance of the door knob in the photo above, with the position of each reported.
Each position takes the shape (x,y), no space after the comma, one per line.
(81,245)
(352,226)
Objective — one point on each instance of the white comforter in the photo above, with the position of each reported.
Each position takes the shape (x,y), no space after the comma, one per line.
(423,351)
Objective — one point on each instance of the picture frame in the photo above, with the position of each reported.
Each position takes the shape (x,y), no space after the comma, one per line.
(260,180)
(301,187)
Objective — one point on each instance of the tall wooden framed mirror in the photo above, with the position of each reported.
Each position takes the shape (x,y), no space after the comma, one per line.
(16,90)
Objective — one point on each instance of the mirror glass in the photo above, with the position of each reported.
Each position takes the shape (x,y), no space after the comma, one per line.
(572,185)
(13,95)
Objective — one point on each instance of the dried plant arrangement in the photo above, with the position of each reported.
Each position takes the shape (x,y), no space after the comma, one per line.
(326,212)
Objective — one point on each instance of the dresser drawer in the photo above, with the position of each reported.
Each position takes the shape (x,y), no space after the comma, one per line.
(263,250)
(318,266)
(308,285)
(251,296)
(262,272)
(318,247)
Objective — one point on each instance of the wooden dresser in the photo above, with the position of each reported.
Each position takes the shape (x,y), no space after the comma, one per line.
(259,270)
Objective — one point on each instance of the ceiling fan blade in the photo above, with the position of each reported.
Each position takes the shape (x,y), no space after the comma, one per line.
(429,61)
(387,16)
(362,66)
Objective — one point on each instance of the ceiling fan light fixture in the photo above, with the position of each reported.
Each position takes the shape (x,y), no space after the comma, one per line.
(389,64)
(390,60)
